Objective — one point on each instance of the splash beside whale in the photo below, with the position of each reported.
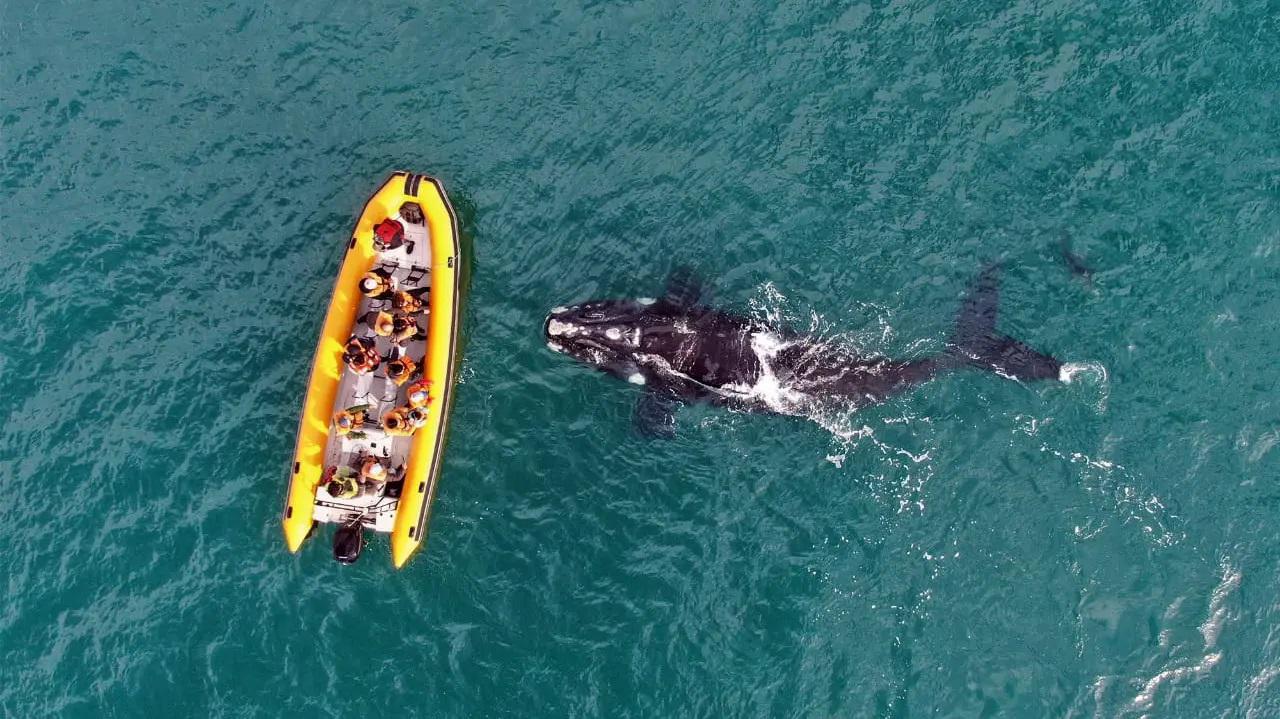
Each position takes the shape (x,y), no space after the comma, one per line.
(681,351)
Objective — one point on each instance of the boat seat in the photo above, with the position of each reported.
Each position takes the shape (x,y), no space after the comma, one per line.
(416,273)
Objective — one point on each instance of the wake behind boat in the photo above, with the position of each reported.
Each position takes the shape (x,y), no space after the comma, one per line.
(371,437)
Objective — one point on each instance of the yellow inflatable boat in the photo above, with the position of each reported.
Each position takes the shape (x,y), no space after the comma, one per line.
(371,438)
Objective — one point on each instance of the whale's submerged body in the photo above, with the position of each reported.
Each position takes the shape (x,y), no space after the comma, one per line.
(681,351)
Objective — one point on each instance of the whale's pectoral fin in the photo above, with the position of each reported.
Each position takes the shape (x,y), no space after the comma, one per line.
(655,416)
(684,288)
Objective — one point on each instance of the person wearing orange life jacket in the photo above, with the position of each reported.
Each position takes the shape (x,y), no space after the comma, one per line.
(377,284)
(408,302)
(419,393)
(350,419)
(361,354)
(417,417)
(381,322)
(400,369)
(396,423)
(388,235)
(402,328)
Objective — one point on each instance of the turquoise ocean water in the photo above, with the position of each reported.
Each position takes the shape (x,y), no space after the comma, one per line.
(176,181)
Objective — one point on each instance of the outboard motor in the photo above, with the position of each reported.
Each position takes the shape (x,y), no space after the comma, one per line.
(348,542)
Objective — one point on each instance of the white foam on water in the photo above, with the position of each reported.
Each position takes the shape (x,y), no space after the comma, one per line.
(1115,483)
(1096,372)
(1254,692)
(1070,370)
(1210,629)
(776,396)
(1212,626)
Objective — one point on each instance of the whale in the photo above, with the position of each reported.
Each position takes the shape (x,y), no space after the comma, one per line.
(679,350)
(1074,262)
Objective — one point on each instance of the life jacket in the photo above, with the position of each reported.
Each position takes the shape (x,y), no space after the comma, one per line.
(406,302)
(396,423)
(388,234)
(401,369)
(347,421)
(384,325)
(419,393)
(361,354)
(403,328)
(365,362)
(373,284)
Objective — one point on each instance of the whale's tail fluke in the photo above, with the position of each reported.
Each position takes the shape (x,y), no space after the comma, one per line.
(976,341)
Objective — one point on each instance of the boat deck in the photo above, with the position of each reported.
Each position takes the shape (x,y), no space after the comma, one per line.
(409,266)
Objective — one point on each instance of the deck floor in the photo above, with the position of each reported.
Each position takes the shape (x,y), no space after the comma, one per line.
(409,266)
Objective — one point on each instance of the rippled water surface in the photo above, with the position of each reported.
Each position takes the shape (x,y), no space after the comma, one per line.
(175,186)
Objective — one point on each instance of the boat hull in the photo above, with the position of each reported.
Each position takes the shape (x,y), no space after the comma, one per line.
(440,364)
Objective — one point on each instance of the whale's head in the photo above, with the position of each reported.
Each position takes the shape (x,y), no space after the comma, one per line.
(603,333)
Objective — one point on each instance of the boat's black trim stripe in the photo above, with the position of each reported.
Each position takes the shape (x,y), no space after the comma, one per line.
(434,471)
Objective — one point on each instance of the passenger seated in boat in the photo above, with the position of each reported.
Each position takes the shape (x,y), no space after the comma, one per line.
(409,302)
(361,354)
(388,235)
(382,323)
(373,472)
(350,419)
(403,329)
(342,483)
(417,417)
(419,393)
(396,423)
(400,369)
(377,284)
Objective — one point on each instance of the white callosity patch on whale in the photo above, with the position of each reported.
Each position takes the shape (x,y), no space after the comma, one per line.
(562,329)
(646,300)
(613,333)
(555,346)
(636,378)
(559,309)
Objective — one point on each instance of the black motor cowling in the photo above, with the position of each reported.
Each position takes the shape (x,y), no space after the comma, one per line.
(412,212)
(348,542)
